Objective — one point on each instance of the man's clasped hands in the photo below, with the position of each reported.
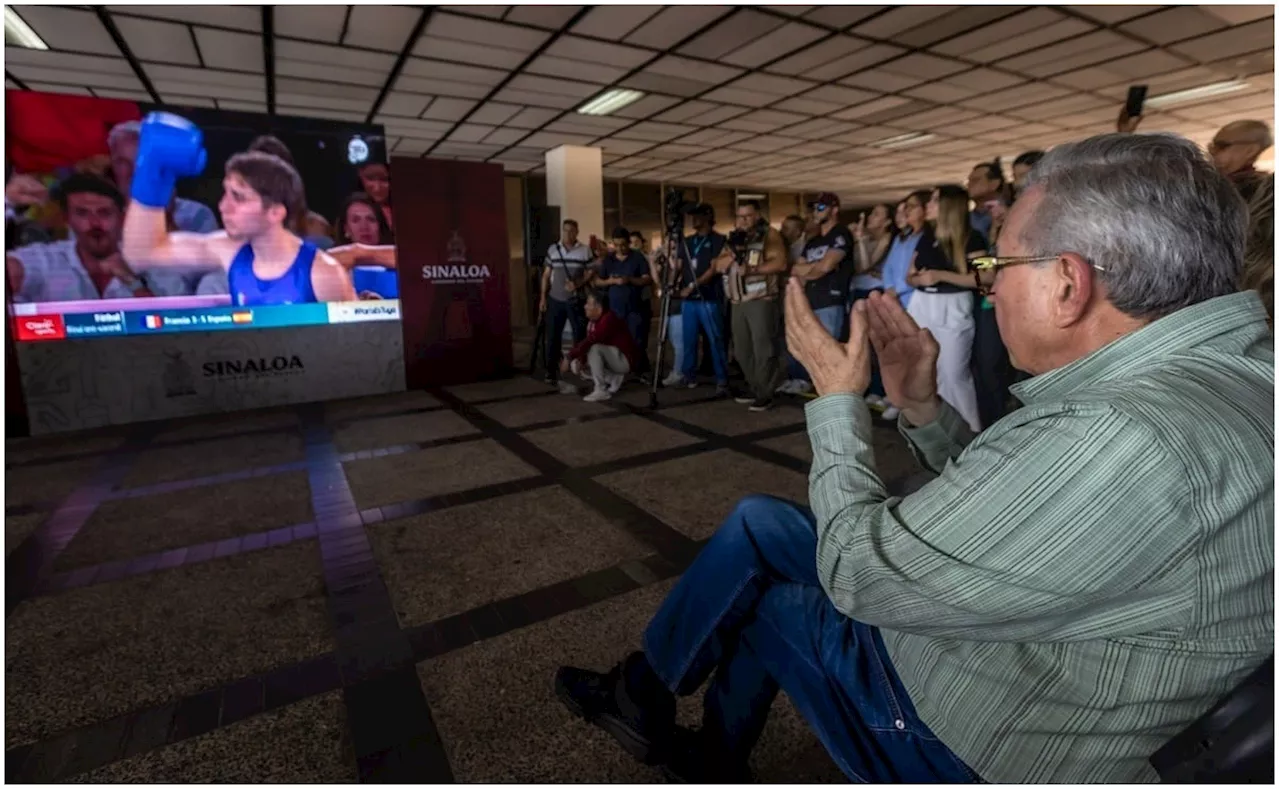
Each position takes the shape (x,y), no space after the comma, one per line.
(907,354)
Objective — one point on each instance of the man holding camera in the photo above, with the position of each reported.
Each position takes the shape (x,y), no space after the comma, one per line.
(701,292)
(754,263)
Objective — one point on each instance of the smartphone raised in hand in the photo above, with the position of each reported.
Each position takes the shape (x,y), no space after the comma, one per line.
(1136,99)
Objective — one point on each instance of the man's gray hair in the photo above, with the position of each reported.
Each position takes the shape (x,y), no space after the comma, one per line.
(1151,210)
(128,130)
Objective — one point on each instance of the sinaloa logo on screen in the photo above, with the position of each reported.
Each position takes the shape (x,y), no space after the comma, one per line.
(456,268)
(254,368)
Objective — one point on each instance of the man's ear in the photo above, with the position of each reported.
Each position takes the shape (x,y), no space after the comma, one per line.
(1075,289)
(278,213)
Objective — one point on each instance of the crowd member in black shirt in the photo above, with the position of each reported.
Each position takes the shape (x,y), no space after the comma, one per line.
(625,273)
(826,268)
(943,300)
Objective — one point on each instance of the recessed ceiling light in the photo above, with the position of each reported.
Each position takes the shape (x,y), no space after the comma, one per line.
(904,140)
(1202,92)
(19,33)
(607,102)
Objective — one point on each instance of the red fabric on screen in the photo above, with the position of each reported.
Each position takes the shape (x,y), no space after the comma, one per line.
(45,131)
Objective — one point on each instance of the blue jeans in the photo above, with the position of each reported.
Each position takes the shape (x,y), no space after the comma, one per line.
(708,316)
(558,314)
(638,327)
(832,319)
(675,333)
(751,609)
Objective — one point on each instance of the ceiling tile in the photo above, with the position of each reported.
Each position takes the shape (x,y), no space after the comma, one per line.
(717,137)
(954,23)
(154,40)
(598,73)
(781,42)
(1034,28)
(536,99)
(1239,14)
(558,87)
(470,132)
(494,113)
(312,101)
(49,60)
(747,98)
(1173,24)
(452,72)
(552,17)
(842,16)
(465,90)
(478,54)
(576,123)
(241,17)
(327,90)
(614,22)
(737,30)
(315,22)
(983,80)
(68,29)
(1111,14)
(879,79)
(545,139)
(656,33)
(836,94)
(386,29)
(1084,51)
(694,70)
(447,109)
(622,146)
(773,85)
(940,92)
(596,52)
(924,66)
(1235,41)
(452,27)
(321,54)
(871,107)
(409,105)
(760,121)
(226,50)
(647,82)
(32,75)
(863,57)
(531,117)
(889,24)
(808,106)
(655,132)
(647,106)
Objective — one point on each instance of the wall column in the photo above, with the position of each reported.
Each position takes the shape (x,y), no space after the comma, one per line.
(575,185)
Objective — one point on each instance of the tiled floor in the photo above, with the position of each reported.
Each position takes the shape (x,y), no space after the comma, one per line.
(368,590)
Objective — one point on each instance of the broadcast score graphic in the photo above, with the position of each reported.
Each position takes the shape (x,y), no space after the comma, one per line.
(302,236)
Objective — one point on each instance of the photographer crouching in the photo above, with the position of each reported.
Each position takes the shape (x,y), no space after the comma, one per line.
(754,263)
(608,350)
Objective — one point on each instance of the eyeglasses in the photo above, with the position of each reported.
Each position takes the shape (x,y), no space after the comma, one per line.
(819,206)
(986,268)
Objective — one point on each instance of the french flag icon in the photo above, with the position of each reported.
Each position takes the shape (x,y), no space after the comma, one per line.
(154,321)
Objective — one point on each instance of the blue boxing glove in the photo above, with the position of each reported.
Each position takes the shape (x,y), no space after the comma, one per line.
(170,147)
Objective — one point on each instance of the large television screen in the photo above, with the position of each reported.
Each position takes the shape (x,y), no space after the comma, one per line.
(287,223)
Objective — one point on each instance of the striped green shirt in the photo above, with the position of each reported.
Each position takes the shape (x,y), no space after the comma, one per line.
(1087,576)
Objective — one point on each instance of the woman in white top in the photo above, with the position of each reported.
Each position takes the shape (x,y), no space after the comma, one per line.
(943,300)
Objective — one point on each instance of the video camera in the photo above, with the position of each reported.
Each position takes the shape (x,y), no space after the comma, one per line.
(742,242)
(676,208)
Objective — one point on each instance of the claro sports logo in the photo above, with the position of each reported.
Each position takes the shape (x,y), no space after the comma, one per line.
(455,273)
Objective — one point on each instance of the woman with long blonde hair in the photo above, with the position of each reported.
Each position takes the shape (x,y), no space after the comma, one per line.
(943,300)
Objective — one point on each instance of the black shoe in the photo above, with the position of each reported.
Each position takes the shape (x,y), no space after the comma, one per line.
(761,404)
(693,762)
(549,379)
(640,719)
(723,390)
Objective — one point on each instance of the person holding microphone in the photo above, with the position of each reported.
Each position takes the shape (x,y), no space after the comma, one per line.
(264,261)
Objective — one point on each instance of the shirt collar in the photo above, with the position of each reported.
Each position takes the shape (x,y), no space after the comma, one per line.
(1186,328)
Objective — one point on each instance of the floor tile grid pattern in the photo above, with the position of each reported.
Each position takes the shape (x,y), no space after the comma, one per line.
(196,715)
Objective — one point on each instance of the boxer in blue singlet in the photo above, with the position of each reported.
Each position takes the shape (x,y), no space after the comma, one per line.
(265,262)
(293,288)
